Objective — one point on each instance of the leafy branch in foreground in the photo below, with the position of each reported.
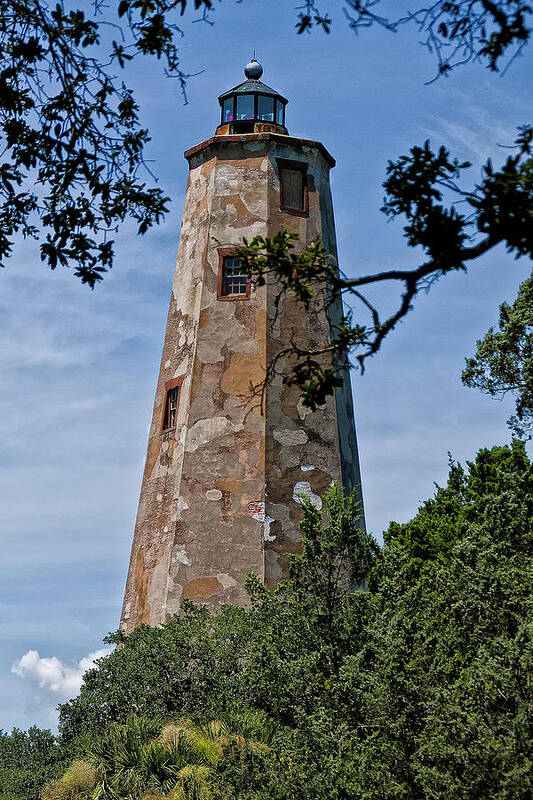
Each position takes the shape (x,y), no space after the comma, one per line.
(454,32)
(72,162)
(72,150)
(504,360)
(498,210)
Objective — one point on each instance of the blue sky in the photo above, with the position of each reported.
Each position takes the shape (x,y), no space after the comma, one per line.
(78,368)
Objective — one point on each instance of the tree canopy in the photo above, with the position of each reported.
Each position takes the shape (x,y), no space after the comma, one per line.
(402,671)
(73,165)
(415,682)
(28,760)
(503,362)
(455,32)
(497,210)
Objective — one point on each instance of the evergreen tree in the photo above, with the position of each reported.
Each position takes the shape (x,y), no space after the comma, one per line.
(504,359)
(27,760)
(415,683)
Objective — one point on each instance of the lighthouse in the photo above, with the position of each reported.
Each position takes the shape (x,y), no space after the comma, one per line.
(224,478)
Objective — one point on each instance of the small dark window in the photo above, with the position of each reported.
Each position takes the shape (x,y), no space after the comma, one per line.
(242,126)
(171,408)
(293,186)
(234,278)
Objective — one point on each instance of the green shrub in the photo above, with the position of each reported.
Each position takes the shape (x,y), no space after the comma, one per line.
(413,683)
(76,784)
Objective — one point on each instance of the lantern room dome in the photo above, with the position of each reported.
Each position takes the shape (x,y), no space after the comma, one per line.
(252,106)
(253,69)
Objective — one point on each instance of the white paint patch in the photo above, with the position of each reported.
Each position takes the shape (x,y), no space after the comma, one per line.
(307,467)
(205,430)
(167,363)
(213,494)
(289,437)
(181,505)
(226,580)
(180,557)
(159,497)
(257,510)
(304,488)
(302,410)
(266,534)
(182,368)
(224,331)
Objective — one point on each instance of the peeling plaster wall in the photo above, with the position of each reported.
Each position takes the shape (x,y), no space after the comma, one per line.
(296,437)
(221,494)
(349,452)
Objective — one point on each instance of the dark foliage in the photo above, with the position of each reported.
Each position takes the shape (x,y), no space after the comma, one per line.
(415,684)
(454,32)
(72,144)
(28,759)
(73,167)
(504,360)
(423,187)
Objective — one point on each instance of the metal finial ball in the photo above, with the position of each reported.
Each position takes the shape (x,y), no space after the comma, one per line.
(253,69)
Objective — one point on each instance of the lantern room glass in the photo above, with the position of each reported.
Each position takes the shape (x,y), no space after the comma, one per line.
(245,106)
(265,108)
(227,110)
(252,106)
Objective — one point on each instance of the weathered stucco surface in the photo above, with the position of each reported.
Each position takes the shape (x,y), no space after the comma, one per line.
(221,493)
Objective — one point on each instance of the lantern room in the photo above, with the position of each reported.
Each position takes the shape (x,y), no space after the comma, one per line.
(252,106)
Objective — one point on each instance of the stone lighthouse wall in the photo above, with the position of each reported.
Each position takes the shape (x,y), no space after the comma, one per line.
(220,494)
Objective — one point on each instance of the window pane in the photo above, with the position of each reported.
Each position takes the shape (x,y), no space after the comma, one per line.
(292,188)
(265,108)
(234,276)
(245,106)
(280,113)
(171,407)
(227,110)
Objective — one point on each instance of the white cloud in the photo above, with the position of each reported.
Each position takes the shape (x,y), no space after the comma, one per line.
(53,675)
(479,126)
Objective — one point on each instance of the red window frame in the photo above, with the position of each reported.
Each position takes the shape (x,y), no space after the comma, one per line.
(223,252)
(299,166)
(175,383)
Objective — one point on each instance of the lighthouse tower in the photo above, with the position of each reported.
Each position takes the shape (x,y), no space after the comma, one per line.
(222,485)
